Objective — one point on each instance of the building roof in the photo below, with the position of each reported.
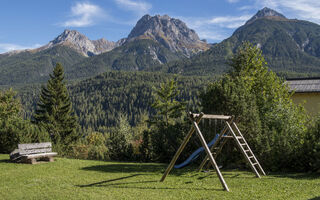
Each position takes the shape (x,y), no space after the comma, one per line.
(302,85)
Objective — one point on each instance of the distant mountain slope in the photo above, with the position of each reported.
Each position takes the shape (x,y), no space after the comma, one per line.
(137,55)
(288,45)
(31,67)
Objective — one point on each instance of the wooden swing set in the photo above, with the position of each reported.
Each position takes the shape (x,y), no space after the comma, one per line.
(230,131)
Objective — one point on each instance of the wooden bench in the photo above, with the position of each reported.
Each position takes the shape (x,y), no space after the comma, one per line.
(31,153)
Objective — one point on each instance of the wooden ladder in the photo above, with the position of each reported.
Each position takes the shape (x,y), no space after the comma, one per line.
(231,131)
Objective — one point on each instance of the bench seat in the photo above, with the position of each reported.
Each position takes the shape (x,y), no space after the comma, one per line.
(29,153)
(40,155)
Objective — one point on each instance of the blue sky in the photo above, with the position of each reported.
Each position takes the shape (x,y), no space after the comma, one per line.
(33,23)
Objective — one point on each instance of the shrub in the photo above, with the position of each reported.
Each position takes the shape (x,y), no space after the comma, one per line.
(92,147)
(16,131)
(13,129)
(119,143)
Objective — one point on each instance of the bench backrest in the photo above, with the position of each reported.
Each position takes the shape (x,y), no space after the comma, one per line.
(34,148)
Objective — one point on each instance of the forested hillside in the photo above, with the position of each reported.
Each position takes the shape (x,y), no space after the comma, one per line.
(34,67)
(99,101)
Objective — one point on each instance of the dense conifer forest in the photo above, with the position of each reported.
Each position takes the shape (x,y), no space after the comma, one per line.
(99,101)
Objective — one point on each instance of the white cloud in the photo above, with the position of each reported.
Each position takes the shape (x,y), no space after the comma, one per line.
(6,47)
(139,7)
(84,14)
(230,22)
(212,35)
(215,28)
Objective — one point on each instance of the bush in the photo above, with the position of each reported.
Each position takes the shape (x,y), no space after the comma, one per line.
(119,143)
(311,150)
(13,129)
(17,131)
(92,147)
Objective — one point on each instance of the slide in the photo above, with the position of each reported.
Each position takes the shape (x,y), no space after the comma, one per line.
(196,154)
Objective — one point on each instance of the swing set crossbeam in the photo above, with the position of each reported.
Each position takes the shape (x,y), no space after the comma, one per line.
(205,116)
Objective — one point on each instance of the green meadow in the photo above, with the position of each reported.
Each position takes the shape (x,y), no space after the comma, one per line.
(87,179)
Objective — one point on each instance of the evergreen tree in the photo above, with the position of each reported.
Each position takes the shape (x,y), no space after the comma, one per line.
(167,107)
(10,106)
(54,110)
(168,123)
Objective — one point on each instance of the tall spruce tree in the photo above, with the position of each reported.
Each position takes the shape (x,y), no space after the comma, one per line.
(54,110)
(169,110)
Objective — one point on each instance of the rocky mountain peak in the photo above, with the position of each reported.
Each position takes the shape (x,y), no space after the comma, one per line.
(81,43)
(170,32)
(266,13)
(70,36)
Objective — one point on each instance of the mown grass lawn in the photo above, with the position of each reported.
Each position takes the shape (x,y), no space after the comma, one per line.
(83,179)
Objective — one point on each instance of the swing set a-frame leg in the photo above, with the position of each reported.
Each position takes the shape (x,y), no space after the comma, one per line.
(182,146)
(209,154)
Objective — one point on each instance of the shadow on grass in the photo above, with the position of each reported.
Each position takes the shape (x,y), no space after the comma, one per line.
(299,176)
(98,184)
(5,161)
(315,198)
(135,168)
(135,184)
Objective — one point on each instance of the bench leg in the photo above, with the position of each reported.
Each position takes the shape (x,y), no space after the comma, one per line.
(51,159)
(32,161)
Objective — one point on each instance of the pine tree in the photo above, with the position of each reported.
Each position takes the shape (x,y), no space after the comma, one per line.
(54,110)
(169,110)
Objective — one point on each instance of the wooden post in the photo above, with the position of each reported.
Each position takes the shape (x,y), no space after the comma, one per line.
(182,146)
(213,162)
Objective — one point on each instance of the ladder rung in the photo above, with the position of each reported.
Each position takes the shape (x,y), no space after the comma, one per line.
(246,150)
(254,163)
(251,157)
(243,144)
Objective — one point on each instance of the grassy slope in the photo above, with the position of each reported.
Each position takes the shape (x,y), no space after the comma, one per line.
(82,179)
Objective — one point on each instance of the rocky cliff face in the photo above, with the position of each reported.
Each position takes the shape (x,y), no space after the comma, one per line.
(81,43)
(172,33)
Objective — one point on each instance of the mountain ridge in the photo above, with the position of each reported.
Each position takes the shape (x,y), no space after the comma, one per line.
(289,45)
